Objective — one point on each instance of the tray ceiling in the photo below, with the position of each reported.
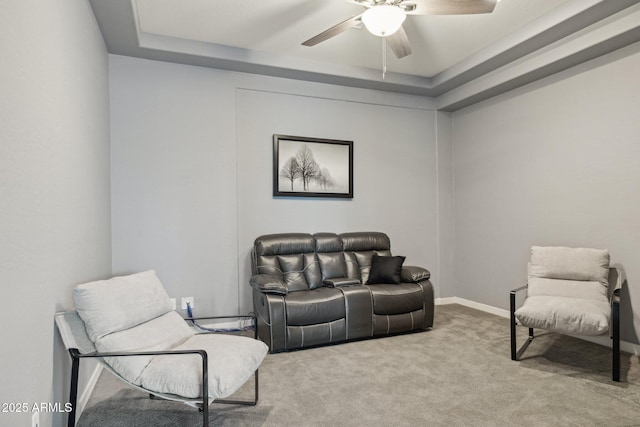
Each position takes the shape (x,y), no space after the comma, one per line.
(449,52)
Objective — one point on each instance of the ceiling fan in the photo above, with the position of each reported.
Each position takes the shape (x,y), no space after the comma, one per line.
(384,18)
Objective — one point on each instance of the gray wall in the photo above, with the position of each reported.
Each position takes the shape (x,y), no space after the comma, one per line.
(192,165)
(54,188)
(554,163)
(445,197)
(394,173)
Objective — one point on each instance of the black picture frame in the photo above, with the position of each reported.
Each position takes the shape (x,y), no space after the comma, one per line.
(312,167)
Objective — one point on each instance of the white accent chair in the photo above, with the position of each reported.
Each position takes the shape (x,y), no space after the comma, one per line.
(128,324)
(570,291)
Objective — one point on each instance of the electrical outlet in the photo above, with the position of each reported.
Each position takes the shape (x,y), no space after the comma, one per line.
(173,303)
(35,419)
(186,300)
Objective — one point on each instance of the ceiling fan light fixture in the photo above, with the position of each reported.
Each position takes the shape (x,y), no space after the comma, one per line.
(383,20)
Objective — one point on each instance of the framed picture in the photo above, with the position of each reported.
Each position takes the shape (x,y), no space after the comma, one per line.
(312,167)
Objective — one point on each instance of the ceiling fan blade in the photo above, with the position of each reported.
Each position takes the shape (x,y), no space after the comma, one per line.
(453,7)
(399,43)
(334,31)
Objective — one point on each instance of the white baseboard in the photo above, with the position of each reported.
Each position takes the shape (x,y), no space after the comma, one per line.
(478,306)
(83,399)
(602,340)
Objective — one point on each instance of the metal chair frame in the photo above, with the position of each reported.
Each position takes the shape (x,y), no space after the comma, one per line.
(202,404)
(614,331)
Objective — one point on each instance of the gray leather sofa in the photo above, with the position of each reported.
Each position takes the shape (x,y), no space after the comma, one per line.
(311,290)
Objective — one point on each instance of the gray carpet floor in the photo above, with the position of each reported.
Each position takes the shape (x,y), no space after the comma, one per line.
(457,374)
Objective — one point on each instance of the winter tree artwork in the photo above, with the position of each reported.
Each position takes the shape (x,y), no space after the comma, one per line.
(312,167)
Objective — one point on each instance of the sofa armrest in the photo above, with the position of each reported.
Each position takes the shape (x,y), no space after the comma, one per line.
(268,284)
(340,282)
(413,274)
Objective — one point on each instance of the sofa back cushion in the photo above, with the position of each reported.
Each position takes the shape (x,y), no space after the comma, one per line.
(331,259)
(332,265)
(353,268)
(568,272)
(365,241)
(303,261)
(283,244)
(360,247)
(327,242)
(119,303)
(299,271)
(290,257)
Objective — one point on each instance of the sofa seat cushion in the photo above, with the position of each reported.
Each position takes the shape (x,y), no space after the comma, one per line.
(396,299)
(314,306)
(580,316)
(144,337)
(232,361)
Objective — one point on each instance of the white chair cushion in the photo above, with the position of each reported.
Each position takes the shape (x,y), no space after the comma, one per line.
(557,262)
(108,306)
(232,361)
(539,286)
(580,316)
(161,333)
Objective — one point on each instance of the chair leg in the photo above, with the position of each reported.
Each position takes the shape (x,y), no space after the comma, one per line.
(205,415)
(73,393)
(615,364)
(513,341)
(516,353)
(245,402)
(205,389)
(512,303)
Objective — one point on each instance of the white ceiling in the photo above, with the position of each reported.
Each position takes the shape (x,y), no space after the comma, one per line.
(280,26)
(449,52)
